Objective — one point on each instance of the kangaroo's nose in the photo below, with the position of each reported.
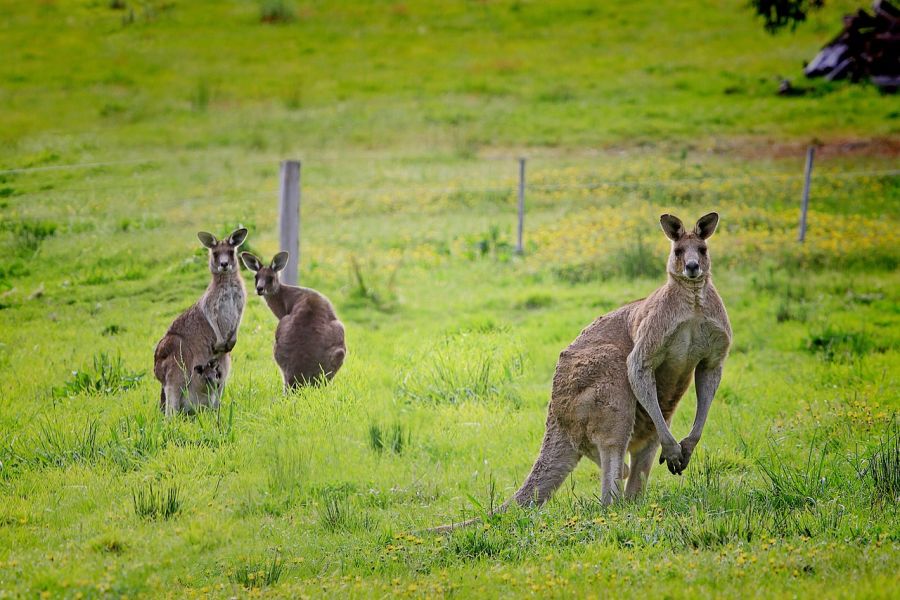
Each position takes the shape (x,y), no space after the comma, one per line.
(692,268)
(223,264)
(260,290)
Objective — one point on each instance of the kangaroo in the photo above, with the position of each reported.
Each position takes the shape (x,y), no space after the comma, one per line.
(205,384)
(309,339)
(617,385)
(206,381)
(206,330)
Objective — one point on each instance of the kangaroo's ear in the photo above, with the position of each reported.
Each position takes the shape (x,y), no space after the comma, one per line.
(237,237)
(207,239)
(672,226)
(280,261)
(251,262)
(706,225)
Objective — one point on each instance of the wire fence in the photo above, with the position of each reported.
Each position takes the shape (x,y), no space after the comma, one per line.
(508,185)
(334,188)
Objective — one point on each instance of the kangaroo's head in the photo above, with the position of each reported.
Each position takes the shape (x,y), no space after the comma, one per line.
(223,253)
(210,371)
(266,277)
(689,257)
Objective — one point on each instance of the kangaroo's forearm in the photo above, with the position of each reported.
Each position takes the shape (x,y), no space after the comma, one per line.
(643,384)
(706,381)
(213,322)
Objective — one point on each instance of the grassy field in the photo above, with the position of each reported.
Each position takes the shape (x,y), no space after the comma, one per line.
(407,117)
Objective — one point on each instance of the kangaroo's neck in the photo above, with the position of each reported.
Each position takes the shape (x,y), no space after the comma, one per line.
(281,303)
(229,284)
(226,279)
(694,292)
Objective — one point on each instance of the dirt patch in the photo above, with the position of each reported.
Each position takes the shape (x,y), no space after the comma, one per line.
(743,148)
(836,148)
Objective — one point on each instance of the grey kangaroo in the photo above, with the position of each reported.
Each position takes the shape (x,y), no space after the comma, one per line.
(205,331)
(617,385)
(309,339)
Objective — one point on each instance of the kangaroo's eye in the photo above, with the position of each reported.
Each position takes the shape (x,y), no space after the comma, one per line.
(703,250)
(679,251)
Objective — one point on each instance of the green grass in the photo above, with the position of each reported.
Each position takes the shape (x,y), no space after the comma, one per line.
(360,76)
(408,118)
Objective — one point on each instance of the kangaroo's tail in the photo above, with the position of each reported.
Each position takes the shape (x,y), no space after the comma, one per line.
(557,458)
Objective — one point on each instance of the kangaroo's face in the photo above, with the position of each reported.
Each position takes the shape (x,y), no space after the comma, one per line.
(267,282)
(210,372)
(223,253)
(689,257)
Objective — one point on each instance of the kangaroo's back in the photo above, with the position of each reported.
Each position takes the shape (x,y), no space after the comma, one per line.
(309,340)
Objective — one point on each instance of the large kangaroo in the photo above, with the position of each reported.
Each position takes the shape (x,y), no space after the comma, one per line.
(618,384)
(309,339)
(205,331)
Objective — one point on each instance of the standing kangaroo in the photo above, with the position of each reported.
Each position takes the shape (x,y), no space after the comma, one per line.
(618,384)
(309,339)
(205,331)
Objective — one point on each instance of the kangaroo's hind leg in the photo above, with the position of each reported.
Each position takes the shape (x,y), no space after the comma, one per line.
(610,431)
(172,392)
(612,465)
(641,463)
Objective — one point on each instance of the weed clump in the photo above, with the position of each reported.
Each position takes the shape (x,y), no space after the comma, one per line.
(276,11)
(258,574)
(793,487)
(27,236)
(58,445)
(536,301)
(883,471)
(637,259)
(108,376)
(338,514)
(152,503)
(372,288)
(835,345)
(392,439)
(465,366)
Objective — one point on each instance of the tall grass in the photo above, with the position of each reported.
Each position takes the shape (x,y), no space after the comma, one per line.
(108,376)
(59,444)
(337,513)
(153,503)
(466,366)
(258,573)
(883,470)
(793,487)
(392,439)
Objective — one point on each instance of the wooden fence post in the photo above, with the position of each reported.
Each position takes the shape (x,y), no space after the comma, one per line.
(289,218)
(520,249)
(804,206)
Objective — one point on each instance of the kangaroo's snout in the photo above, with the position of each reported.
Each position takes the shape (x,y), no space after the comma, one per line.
(260,290)
(692,269)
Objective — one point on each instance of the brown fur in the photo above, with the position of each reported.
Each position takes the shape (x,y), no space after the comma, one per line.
(309,338)
(192,338)
(618,384)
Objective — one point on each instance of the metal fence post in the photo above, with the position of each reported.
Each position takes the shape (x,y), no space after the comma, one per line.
(289,218)
(810,153)
(520,249)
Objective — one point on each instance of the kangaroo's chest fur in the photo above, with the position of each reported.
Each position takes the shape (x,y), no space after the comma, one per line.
(693,340)
(224,304)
